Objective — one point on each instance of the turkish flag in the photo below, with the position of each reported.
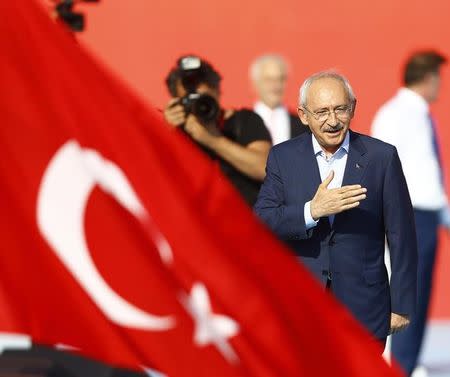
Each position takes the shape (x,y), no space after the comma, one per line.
(121,240)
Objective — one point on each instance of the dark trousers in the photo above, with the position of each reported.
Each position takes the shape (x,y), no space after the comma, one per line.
(406,344)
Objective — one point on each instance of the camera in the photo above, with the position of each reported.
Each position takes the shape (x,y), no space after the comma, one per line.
(74,20)
(203,106)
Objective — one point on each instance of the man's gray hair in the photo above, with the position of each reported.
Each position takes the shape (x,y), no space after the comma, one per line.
(255,67)
(303,93)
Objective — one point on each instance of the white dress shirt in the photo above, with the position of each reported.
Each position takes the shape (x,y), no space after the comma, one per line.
(404,121)
(336,163)
(276,120)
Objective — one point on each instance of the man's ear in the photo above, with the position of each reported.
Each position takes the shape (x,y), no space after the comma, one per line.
(428,77)
(353,108)
(302,115)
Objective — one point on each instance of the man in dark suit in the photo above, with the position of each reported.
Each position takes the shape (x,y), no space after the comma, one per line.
(268,74)
(334,195)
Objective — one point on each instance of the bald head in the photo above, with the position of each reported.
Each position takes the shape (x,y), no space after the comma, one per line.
(268,74)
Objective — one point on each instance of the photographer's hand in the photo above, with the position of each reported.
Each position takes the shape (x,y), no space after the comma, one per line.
(204,135)
(174,113)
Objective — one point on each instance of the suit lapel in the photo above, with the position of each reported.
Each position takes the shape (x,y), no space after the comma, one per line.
(357,161)
(309,171)
(306,166)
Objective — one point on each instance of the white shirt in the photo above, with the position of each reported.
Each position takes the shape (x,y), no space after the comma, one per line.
(404,122)
(276,120)
(336,163)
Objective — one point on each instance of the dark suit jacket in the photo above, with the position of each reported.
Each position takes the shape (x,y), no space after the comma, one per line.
(352,250)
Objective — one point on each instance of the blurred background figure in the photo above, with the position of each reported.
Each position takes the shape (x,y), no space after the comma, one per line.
(268,74)
(237,139)
(405,121)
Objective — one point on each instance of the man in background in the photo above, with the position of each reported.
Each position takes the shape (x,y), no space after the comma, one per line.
(405,121)
(237,139)
(268,74)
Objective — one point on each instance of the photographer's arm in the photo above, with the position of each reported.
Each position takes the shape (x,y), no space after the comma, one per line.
(249,160)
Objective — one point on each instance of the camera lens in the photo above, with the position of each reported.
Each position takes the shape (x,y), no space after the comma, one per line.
(205,108)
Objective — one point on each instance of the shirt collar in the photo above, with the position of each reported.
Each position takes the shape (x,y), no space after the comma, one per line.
(345,145)
(415,99)
(264,109)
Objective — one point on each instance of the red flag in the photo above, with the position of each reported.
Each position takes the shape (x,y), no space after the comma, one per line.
(120,239)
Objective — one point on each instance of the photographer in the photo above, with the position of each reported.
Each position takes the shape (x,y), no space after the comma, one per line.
(238,139)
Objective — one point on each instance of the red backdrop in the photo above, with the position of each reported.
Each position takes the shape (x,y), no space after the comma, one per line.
(366,41)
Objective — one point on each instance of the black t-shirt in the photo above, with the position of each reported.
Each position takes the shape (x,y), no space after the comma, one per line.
(243,127)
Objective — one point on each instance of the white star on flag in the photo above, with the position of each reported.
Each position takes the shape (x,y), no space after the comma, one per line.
(210,328)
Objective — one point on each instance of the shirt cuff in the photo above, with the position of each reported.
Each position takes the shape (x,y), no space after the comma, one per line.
(309,221)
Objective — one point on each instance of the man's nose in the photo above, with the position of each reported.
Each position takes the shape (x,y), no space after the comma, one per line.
(332,119)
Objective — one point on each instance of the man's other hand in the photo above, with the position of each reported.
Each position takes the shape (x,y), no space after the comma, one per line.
(174,113)
(328,202)
(398,323)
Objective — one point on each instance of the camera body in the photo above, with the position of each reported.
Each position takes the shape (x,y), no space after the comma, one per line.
(203,106)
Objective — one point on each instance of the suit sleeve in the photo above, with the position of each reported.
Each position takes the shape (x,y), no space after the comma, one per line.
(401,237)
(286,221)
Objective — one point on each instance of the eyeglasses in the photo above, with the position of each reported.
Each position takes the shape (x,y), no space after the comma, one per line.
(343,113)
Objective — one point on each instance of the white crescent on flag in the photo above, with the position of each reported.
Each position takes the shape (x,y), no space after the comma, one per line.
(66,185)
